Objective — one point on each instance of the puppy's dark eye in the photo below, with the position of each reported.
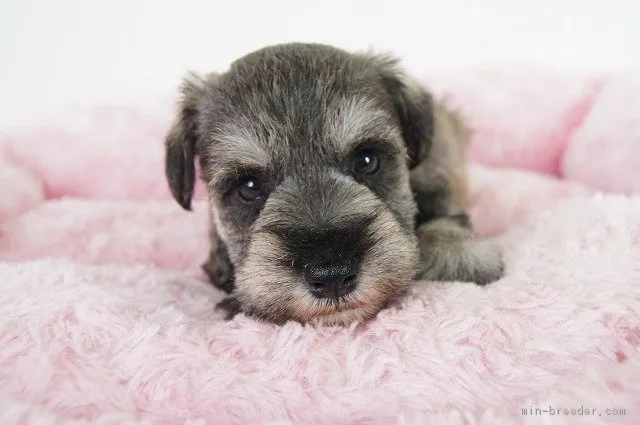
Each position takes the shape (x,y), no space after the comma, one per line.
(366,162)
(251,189)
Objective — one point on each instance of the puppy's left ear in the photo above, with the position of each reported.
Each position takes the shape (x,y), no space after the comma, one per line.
(413,106)
(180,141)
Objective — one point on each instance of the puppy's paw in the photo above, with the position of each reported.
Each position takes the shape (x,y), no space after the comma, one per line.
(230,306)
(474,260)
(483,262)
(220,272)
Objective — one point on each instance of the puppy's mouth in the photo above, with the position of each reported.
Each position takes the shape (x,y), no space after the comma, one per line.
(335,293)
(346,302)
(339,303)
(345,293)
(343,313)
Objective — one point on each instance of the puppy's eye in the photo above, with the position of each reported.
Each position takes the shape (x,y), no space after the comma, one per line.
(366,162)
(251,189)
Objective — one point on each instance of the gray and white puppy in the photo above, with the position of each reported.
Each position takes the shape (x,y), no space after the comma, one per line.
(334,181)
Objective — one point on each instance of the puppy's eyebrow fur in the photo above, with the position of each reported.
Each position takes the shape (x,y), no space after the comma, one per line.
(352,120)
(237,149)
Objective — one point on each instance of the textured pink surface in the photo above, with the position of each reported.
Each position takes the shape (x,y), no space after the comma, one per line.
(19,191)
(106,317)
(520,118)
(108,152)
(611,135)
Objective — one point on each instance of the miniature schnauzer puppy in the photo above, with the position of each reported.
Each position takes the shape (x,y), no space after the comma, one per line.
(334,182)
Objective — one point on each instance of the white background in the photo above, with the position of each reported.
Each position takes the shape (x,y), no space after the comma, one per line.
(55,52)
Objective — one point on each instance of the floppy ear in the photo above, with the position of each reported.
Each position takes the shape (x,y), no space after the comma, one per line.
(413,107)
(180,141)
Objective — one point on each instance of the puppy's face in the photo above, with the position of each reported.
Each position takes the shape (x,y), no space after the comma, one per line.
(306,152)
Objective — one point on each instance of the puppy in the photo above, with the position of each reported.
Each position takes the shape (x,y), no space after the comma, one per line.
(334,182)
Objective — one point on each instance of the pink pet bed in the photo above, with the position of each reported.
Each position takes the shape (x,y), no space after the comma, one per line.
(107,318)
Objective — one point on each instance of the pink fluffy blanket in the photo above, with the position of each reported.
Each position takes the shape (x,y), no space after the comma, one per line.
(106,317)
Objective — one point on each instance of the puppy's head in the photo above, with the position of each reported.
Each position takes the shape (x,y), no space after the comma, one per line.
(306,151)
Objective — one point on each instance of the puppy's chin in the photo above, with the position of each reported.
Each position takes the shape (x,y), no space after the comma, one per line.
(274,291)
(301,306)
(346,316)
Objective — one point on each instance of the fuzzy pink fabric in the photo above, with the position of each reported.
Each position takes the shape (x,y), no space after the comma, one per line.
(107,318)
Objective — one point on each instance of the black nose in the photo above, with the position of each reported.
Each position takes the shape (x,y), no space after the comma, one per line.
(331,279)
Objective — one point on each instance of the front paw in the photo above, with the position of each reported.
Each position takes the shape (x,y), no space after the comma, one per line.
(230,306)
(475,260)
(485,264)
(220,271)
(488,265)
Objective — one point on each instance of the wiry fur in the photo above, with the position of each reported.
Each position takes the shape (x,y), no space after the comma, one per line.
(295,115)
(449,248)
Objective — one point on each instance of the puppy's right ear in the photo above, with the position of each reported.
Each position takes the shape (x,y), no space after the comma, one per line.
(412,104)
(414,109)
(180,141)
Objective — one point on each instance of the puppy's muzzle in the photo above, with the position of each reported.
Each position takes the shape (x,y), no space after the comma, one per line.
(328,256)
